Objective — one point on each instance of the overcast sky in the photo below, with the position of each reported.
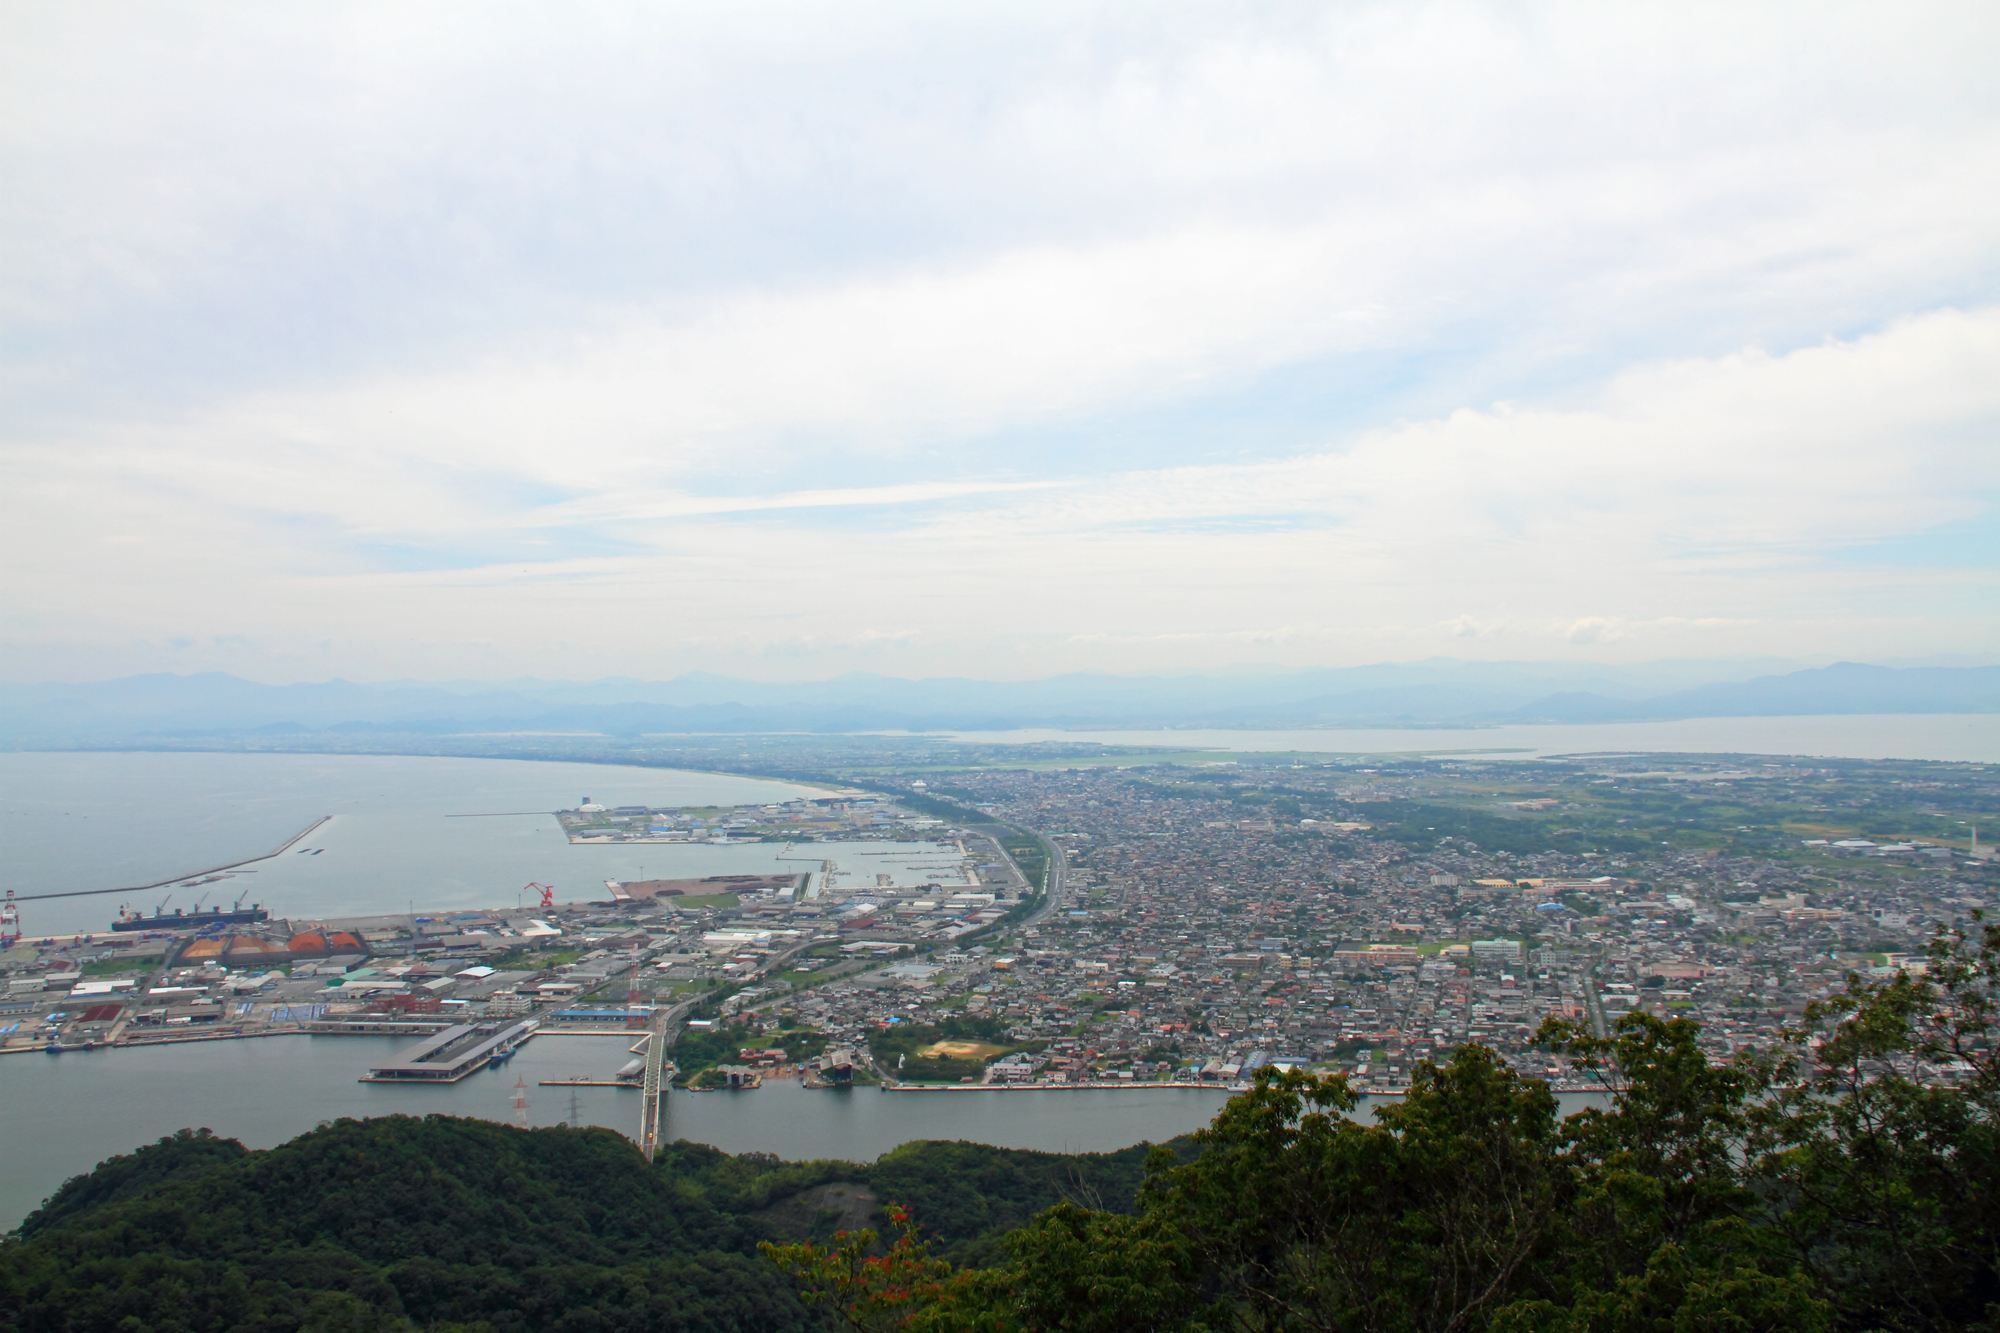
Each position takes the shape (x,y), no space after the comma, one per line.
(997,339)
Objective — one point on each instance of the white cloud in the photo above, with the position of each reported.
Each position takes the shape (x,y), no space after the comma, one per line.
(1688,509)
(1034,338)
(1596,629)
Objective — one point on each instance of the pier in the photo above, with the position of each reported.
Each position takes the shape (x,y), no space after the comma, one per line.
(459,1050)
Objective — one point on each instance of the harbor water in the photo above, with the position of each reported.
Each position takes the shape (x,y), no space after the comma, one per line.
(441,833)
(1953,737)
(64,1114)
(408,832)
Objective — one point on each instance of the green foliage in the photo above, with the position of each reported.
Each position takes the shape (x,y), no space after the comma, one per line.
(869,1290)
(1847,1186)
(1094,1272)
(1032,855)
(744,1182)
(384,1224)
(532,960)
(1423,824)
(801,1043)
(117,967)
(941,809)
(969,1195)
(700,1049)
(443,1223)
(899,1043)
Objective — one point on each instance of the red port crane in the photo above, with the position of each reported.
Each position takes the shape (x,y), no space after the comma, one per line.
(548,892)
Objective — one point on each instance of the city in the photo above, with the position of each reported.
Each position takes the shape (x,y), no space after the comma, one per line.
(1132,923)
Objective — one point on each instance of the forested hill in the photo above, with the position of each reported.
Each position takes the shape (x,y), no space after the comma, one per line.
(1846,1185)
(442,1222)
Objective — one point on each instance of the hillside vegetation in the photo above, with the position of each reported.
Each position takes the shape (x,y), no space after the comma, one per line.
(1849,1186)
(443,1222)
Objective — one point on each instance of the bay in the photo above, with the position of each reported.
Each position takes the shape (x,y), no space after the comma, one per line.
(396,842)
(1954,737)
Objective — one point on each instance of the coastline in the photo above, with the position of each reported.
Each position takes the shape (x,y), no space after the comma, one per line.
(1051,1087)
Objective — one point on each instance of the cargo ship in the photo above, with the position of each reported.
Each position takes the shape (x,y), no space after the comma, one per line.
(161,919)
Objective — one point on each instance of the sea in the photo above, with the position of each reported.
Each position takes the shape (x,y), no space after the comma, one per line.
(408,834)
(1957,737)
(430,834)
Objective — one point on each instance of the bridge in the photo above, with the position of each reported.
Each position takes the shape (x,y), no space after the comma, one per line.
(666,1029)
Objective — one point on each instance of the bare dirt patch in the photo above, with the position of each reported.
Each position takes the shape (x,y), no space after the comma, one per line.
(961,1050)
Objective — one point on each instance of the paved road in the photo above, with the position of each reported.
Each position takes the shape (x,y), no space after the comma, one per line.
(1593,1001)
(1058,887)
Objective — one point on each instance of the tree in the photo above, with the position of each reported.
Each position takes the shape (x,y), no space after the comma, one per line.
(1292,1216)
(871,1289)
(1880,1145)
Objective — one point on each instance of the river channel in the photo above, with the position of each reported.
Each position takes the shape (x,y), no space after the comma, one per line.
(64,1114)
(61,1115)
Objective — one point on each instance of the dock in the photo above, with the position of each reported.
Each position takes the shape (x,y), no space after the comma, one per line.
(459,1050)
(590,1083)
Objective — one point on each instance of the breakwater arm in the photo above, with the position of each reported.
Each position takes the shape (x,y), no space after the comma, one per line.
(279,850)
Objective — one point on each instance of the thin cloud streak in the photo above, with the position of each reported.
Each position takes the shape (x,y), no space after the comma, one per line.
(995,341)
(1687,506)
(625,506)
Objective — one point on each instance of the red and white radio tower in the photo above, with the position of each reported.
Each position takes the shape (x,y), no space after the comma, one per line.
(10,922)
(520,1103)
(633,1019)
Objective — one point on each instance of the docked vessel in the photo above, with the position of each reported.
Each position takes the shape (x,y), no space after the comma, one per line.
(179,920)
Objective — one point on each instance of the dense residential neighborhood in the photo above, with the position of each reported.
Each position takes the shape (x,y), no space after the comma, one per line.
(1135,922)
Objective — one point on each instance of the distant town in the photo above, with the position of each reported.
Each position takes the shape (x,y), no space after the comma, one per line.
(1126,921)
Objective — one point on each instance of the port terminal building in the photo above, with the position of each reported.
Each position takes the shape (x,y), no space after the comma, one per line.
(450,1055)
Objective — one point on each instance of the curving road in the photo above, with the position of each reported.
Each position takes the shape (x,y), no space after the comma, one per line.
(1057,893)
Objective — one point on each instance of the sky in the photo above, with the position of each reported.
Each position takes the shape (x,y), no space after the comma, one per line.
(993,339)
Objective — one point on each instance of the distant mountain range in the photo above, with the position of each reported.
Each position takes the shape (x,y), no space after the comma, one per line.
(1438,692)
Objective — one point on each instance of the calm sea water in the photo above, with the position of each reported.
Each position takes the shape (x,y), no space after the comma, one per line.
(64,1114)
(88,821)
(1965,737)
(80,821)
(94,820)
